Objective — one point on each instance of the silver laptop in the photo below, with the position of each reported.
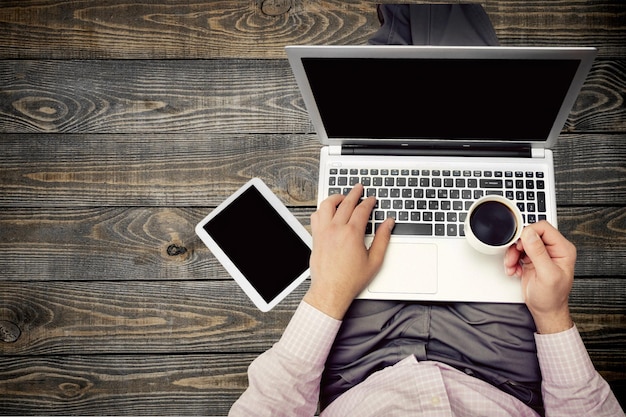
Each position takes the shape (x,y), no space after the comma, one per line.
(428,130)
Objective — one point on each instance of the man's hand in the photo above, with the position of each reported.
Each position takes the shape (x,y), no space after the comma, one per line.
(341,265)
(544,260)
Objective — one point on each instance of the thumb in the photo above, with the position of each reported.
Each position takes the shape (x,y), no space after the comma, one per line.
(535,249)
(379,244)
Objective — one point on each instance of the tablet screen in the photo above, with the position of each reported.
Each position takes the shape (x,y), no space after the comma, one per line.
(260,243)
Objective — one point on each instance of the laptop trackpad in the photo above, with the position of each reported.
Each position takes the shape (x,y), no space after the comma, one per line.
(408,269)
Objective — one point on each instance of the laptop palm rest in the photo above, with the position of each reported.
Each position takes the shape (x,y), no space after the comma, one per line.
(417,274)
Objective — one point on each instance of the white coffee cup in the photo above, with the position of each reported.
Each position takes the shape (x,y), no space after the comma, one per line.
(493,223)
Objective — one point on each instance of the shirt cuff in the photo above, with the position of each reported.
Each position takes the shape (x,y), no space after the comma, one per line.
(310,334)
(563,358)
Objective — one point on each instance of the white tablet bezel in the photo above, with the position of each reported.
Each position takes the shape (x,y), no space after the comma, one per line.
(282,211)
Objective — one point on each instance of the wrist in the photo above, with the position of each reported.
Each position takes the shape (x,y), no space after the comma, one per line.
(327,303)
(548,323)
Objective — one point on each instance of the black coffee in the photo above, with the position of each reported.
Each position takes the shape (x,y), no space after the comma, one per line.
(493,223)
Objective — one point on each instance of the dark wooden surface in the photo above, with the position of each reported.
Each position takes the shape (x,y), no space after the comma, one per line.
(123,123)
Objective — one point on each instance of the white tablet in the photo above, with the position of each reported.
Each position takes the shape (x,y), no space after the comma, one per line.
(259,242)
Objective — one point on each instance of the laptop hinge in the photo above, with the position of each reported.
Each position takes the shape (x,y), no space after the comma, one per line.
(538,153)
(470,150)
(335,150)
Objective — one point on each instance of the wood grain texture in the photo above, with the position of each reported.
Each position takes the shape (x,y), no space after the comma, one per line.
(153,170)
(559,22)
(123,123)
(210,96)
(202,169)
(104,317)
(590,165)
(159,244)
(164,29)
(192,384)
(143,244)
(120,317)
(224,96)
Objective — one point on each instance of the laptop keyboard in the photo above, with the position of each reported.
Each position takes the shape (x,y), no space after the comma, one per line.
(435,202)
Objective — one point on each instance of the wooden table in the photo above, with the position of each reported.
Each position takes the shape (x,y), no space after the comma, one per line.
(123,123)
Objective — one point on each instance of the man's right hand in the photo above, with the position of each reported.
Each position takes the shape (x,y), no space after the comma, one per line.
(341,264)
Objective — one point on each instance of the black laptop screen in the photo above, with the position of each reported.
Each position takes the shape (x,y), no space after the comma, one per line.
(460,99)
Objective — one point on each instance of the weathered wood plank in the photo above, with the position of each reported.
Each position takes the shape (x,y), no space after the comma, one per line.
(131,170)
(142,244)
(590,170)
(600,104)
(201,170)
(122,384)
(210,96)
(599,309)
(109,302)
(120,29)
(100,317)
(225,96)
(599,235)
(560,23)
(159,244)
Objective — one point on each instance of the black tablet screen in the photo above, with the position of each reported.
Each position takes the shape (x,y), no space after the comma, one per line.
(260,243)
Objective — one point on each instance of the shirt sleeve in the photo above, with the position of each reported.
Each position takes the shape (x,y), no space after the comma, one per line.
(285,380)
(571,385)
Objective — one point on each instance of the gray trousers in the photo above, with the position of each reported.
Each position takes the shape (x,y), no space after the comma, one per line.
(493,342)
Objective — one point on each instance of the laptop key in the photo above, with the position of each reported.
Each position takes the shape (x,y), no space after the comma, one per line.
(494,192)
(490,183)
(420,229)
(541,201)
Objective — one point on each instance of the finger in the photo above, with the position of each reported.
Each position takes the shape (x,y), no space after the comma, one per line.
(346,208)
(362,212)
(327,209)
(555,243)
(511,260)
(535,248)
(380,243)
(548,233)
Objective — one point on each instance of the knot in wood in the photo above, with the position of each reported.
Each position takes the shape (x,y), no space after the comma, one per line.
(9,332)
(275,7)
(175,250)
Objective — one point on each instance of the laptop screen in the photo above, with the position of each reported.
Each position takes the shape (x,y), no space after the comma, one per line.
(442,99)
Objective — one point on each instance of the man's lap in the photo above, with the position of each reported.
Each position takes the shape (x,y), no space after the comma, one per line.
(493,342)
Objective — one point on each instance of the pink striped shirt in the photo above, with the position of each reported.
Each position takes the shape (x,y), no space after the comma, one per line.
(284,381)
